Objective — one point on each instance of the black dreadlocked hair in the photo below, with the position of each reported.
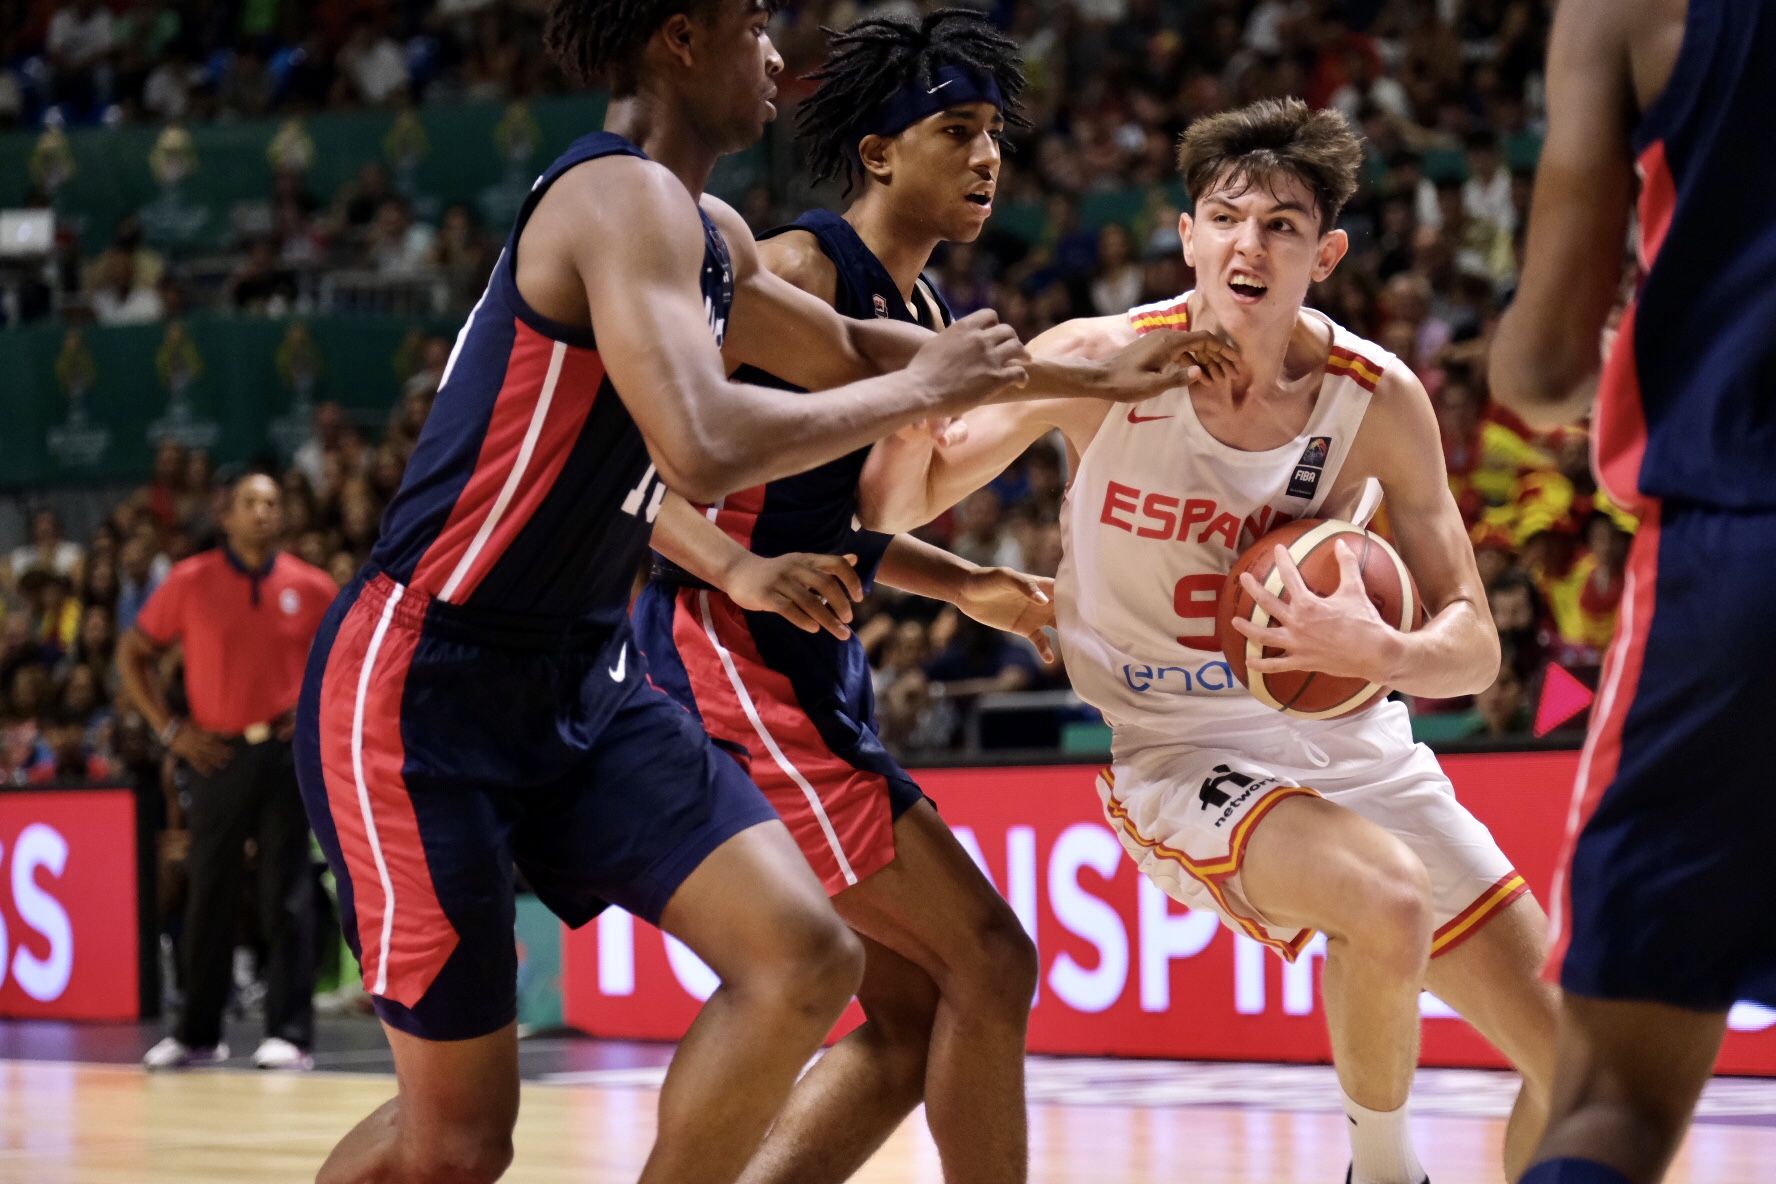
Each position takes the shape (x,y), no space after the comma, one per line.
(596,41)
(875,57)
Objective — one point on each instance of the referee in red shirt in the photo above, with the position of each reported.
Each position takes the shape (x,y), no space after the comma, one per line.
(246,615)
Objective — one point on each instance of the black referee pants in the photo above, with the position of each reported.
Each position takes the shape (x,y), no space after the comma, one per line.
(254,796)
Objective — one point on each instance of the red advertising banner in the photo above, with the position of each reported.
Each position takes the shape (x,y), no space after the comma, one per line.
(1126,971)
(68,938)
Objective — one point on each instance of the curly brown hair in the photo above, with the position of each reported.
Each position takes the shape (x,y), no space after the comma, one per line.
(1252,145)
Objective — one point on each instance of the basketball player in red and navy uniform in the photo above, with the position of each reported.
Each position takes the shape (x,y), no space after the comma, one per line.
(475,700)
(1661,917)
(746,625)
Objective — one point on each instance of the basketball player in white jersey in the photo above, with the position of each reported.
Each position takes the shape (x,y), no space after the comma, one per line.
(1284,826)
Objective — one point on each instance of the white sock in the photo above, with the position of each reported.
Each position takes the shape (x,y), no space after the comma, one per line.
(1381,1146)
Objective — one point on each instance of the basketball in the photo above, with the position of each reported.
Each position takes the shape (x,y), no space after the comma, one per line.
(1308,694)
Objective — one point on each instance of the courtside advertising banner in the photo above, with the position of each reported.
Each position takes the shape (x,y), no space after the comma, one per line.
(68,937)
(1126,971)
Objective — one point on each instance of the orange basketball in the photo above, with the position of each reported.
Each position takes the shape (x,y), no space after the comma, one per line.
(1308,694)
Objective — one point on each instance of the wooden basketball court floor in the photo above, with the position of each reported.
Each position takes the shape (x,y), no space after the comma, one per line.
(82,1121)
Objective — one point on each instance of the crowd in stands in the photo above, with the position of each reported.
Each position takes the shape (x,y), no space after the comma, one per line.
(1447,95)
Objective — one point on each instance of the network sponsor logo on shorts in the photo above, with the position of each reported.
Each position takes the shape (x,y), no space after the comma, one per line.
(1211,677)
(1228,790)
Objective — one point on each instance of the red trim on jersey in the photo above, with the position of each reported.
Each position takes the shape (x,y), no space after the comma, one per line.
(854,800)
(1619,432)
(739,514)
(1365,371)
(1603,746)
(576,389)
(1174,316)
(421,938)
(1658,200)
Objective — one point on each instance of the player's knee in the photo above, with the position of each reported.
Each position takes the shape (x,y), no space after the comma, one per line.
(814,966)
(1005,966)
(460,1155)
(1389,915)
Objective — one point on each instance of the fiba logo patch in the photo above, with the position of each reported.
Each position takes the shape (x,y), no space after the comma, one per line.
(289,602)
(1305,480)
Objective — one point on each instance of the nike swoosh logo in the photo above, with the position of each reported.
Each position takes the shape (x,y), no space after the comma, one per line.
(940,86)
(1133,418)
(616,672)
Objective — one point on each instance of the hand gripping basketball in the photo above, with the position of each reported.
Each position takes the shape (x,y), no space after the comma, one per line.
(1311,616)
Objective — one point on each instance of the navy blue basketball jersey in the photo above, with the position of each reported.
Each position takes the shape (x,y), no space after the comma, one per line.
(530,492)
(817,510)
(1687,406)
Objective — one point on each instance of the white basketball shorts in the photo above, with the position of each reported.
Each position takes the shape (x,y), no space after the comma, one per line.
(1185,813)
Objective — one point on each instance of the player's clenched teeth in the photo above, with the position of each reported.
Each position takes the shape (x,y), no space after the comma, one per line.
(1244,283)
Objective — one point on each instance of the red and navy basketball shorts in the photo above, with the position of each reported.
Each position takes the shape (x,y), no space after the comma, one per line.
(438,753)
(1667,893)
(796,710)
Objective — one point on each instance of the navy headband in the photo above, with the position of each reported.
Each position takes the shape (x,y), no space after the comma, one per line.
(952,86)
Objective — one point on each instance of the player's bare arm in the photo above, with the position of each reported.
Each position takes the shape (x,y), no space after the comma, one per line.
(1456,652)
(814,591)
(636,244)
(784,323)
(1546,360)
(810,590)
(995,596)
(910,478)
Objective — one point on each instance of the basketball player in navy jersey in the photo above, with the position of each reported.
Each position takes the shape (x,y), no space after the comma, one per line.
(745,624)
(475,699)
(1662,911)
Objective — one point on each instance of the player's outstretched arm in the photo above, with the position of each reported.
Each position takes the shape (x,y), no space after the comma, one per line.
(1546,358)
(1456,652)
(637,244)
(784,324)
(909,479)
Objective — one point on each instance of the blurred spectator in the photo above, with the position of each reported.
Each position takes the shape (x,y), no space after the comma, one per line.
(1517,611)
(977,537)
(462,254)
(137,581)
(1117,287)
(65,754)
(1500,712)
(120,295)
(373,68)
(55,613)
(260,283)
(1584,603)
(80,41)
(167,95)
(48,548)
(326,440)
(397,245)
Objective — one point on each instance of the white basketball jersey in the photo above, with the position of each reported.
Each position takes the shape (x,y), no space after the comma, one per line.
(1157,513)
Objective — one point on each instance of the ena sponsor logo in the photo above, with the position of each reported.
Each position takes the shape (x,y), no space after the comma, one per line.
(1210,677)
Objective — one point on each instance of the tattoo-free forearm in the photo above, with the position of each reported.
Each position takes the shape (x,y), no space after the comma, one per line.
(924,570)
(686,536)
(1455,653)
